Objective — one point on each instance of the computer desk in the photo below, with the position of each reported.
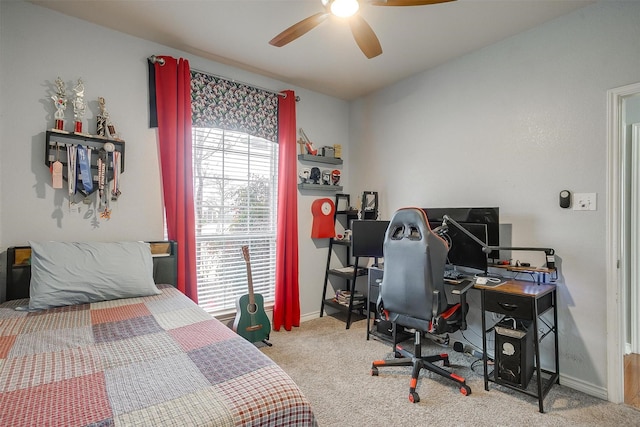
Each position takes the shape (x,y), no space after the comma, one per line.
(528,301)
(513,298)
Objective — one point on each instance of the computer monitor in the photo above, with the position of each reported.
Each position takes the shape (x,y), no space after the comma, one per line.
(463,251)
(476,215)
(367,237)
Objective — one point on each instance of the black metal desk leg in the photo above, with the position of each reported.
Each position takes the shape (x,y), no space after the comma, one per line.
(536,344)
(484,342)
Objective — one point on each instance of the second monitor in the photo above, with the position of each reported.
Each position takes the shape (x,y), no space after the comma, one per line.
(367,237)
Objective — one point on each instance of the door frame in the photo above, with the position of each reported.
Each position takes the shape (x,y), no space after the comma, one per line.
(634,292)
(617,258)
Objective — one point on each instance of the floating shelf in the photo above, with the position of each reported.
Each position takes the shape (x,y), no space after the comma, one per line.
(320,187)
(320,159)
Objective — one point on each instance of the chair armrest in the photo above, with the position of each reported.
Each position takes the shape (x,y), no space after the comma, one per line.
(464,287)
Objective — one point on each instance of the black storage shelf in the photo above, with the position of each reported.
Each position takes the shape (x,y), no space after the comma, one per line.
(348,275)
(335,304)
(345,272)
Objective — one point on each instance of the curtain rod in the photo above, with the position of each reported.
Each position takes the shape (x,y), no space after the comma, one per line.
(154,59)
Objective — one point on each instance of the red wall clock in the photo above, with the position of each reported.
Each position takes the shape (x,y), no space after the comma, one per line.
(323,222)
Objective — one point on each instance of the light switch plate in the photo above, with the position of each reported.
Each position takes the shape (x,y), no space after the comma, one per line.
(584,202)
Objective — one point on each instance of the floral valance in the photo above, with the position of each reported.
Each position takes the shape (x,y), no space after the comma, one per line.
(220,103)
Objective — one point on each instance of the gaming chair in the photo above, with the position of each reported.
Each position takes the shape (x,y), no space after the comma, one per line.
(412,294)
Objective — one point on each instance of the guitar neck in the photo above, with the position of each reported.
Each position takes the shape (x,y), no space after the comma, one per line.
(245,252)
(252,299)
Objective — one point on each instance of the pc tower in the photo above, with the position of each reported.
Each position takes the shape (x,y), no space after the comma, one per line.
(513,353)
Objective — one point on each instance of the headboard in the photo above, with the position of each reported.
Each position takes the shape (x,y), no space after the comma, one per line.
(165,267)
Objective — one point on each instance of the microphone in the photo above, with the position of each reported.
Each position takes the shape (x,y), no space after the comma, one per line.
(465,348)
(441,229)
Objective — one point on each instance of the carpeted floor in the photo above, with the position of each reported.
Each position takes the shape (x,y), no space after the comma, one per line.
(332,367)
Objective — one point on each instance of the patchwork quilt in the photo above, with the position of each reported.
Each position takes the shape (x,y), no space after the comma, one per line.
(150,361)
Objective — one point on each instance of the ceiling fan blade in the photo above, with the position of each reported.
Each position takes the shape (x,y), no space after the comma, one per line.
(365,37)
(299,29)
(406,2)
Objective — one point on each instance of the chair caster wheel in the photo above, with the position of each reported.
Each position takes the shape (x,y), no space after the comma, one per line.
(465,390)
(413,397)
(374,372)
(397,355)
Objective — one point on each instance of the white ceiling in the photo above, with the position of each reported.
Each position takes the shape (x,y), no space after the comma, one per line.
(326,59)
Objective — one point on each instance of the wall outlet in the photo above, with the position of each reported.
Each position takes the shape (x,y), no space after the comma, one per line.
(584,201)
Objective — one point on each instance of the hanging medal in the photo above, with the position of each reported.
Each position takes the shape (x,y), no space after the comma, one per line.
(56,171)
(71,171)
(109,147)
(117,163)
(85,169)
(101,177)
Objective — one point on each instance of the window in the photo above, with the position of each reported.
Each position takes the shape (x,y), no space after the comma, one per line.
(235,194)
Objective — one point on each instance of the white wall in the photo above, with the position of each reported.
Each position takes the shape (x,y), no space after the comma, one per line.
(512,125)
(38,45)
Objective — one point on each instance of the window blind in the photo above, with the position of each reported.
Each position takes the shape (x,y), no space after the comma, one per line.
(235,195)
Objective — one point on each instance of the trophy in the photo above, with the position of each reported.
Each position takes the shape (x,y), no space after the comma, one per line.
(105,126)
(101,119)
(79,107)
(60,102)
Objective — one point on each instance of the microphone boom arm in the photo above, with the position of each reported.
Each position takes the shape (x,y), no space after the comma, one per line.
(488,249)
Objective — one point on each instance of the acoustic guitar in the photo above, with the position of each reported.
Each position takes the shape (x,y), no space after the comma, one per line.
(251,322)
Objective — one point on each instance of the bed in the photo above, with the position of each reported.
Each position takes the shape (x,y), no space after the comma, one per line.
(149,360)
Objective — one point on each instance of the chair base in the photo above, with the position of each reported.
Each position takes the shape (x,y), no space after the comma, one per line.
(419,362)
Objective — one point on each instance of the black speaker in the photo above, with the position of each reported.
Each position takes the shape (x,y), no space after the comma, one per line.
(513,354)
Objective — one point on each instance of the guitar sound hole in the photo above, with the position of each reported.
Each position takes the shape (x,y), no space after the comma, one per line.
(252,308)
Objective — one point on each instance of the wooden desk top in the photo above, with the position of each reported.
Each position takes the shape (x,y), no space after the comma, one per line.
(519,287)
(520,268)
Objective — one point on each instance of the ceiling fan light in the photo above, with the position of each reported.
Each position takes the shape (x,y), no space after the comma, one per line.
(344,8)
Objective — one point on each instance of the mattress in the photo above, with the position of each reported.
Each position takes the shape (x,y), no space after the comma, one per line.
(149,361)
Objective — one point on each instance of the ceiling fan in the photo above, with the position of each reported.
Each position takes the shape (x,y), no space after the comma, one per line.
(362,32)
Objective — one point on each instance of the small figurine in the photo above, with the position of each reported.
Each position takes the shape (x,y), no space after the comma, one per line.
(60,102)
(315,175)
(326,177)
(335,177)
(304,175)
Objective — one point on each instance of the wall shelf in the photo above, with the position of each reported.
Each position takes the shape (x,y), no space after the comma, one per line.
(320,159)
(56,149)
(319,187)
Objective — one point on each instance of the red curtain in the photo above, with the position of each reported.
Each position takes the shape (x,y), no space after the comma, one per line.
(173,104)
(286,310)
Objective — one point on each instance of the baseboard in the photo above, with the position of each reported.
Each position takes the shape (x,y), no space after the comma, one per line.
(228,318)
(583,386)
(310,316)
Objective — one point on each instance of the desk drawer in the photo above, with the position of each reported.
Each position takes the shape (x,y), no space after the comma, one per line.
(521,307)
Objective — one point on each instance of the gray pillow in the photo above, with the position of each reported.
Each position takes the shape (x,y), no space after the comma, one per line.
(68,273)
